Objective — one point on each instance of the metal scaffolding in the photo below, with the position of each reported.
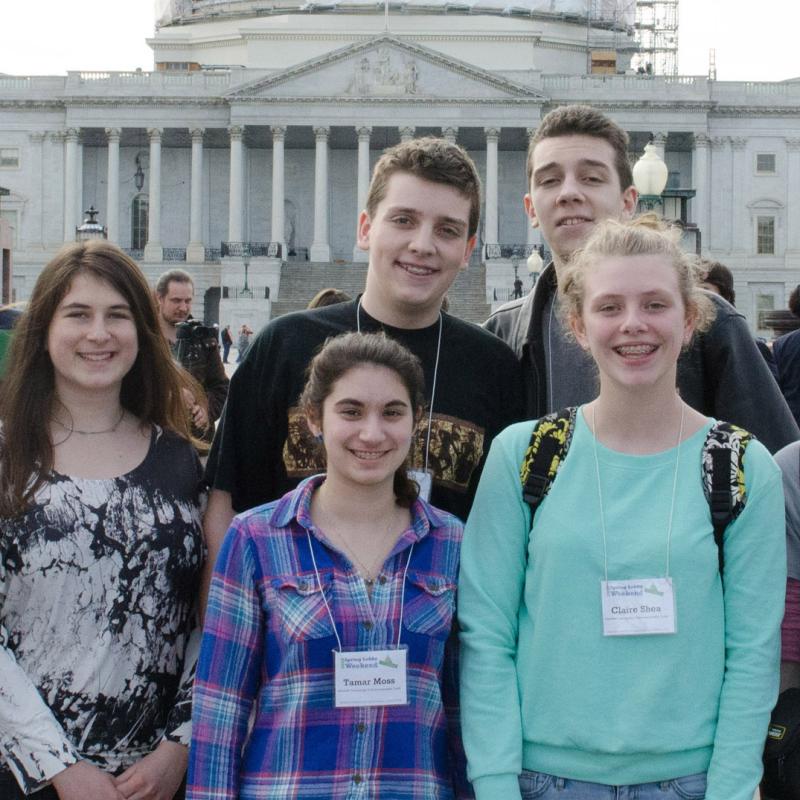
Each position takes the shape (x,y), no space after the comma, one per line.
(657,29)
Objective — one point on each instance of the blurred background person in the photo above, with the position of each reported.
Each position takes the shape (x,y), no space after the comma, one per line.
(328,297)
(195,346)
(718,278)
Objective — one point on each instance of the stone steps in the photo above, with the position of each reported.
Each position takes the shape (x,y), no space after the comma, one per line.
(301,280)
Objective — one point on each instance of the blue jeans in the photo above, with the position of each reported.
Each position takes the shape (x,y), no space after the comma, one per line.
(540,786)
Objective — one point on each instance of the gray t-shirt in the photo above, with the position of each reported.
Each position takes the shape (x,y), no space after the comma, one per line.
(789,461)
(571,377)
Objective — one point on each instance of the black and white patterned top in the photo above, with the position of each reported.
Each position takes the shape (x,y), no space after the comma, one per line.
(98,582)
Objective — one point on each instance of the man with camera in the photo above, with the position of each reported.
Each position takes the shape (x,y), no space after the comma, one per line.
(195,347)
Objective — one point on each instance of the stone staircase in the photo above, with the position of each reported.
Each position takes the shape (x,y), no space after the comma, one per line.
(301,280)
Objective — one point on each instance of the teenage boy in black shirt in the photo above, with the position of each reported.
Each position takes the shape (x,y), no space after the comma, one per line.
(419,228)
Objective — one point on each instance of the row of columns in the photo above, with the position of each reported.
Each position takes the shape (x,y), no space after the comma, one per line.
(320,248)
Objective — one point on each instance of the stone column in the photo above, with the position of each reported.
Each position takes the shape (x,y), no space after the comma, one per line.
(792,202)
(490,235)
(740,221)
(112,179)
(407,133)
(450,133)
(660,143)
(720,209)
(533,236)
(699,214)
(277,231)
(79,181)
(235,191)
(70,184)
(196,249)
(321,249)
(153,250)
(364,133)
(36,226)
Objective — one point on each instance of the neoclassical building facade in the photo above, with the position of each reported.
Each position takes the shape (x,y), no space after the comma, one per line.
(253,138)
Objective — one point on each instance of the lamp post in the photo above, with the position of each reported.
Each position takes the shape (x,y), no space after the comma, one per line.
(246,290)
(650,175)
(91,228)
(535,264)
(138,176)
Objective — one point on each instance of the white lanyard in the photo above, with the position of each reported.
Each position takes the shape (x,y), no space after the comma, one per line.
(372,677)
(600,491)
(637,606)
(435,376)
(328,608)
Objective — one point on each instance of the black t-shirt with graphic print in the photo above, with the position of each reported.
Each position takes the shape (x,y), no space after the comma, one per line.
(263,449)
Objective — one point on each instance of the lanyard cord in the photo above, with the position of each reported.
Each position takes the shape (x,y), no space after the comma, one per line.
(328,608)
(435,376)
(600,490)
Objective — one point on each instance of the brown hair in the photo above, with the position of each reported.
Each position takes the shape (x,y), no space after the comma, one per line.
(151,390)
(431,159)
(647,235)
(328,297)
(166,278)
(342,353)
(720,276)
(577,120)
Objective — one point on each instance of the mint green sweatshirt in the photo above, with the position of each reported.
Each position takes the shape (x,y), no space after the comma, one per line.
(543,689)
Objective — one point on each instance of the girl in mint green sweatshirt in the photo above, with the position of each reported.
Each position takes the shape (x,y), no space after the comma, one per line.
(601,657)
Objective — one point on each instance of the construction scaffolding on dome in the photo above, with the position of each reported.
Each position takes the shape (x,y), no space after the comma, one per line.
(619,14)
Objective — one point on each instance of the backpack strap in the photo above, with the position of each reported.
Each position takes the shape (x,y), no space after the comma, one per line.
(723,478)
(550,441)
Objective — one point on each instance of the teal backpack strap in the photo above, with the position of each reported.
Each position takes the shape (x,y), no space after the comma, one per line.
(723,478)
(550,441)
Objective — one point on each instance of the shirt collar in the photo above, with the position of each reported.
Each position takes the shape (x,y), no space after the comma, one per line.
(296,505)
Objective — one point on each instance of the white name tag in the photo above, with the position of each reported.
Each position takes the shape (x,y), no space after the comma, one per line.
(637,607)
(370,678)
(424,479)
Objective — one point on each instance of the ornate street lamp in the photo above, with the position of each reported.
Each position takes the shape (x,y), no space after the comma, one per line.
(138,176)
(650,175)
(91,228)
(246,291)
(535,264)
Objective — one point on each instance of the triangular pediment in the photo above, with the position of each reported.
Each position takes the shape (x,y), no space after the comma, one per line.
(385,68)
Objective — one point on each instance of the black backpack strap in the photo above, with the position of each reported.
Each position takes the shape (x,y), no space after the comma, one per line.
(550,440)
(723,478)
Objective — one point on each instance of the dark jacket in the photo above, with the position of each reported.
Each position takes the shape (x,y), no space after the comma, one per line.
(786,350)
(721,374)
(202,360)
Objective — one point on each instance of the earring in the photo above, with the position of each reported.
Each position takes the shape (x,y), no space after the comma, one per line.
(318,438)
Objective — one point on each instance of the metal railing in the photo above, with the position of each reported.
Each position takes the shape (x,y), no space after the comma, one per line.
(250,249)
(240,293)
(173,254)
(494,251)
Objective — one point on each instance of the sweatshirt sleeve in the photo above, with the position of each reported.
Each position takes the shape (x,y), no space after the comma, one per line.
(493,564)
(729,353)
(32,742)
(754,586)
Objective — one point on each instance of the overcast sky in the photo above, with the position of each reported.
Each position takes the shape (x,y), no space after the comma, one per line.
(753,40)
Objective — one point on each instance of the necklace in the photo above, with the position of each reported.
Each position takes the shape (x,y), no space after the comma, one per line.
(72,429)
(367,573)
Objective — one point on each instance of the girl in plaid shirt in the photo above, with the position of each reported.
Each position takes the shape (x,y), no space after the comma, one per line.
(330,612)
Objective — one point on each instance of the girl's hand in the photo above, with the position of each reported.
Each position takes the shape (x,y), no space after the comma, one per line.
(155,777)
(83,781)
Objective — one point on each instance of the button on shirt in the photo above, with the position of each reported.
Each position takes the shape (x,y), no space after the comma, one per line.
(269,641)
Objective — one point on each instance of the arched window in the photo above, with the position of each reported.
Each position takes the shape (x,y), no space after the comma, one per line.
(139,218)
